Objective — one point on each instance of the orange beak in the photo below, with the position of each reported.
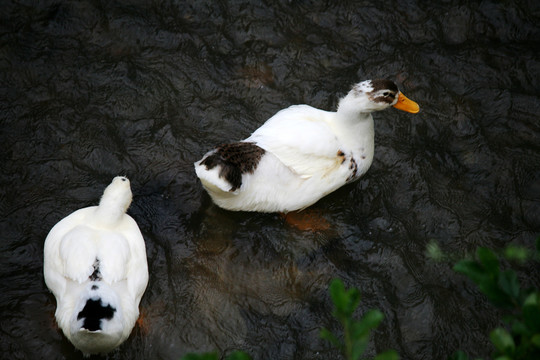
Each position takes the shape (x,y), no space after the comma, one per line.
(407,105)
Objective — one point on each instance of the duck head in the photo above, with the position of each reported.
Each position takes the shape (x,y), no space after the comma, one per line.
(376,95)
(115,201)
(117,194)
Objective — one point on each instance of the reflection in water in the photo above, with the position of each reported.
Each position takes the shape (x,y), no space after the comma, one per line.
(98,89)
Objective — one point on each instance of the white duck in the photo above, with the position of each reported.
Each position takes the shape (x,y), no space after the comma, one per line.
(95,265)
(300,154)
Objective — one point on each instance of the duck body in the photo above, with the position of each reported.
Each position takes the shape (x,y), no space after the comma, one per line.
(95,265)
(300,154)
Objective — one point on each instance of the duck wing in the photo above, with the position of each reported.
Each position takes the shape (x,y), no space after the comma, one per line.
(63,259)
(301,137)
(78,253)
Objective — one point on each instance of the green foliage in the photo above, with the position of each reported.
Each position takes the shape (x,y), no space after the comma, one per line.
(518,253)
(434,252)
(356,333)
(205,356)
(236,355)
(520,338)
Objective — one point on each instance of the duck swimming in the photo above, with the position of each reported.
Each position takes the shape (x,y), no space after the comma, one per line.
(300,154)
(95,265)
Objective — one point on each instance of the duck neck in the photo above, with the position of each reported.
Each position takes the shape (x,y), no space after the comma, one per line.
(354,118)
(355,129)
(352,110)
(110,211)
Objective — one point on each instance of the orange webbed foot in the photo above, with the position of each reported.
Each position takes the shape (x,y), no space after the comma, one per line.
(306,220)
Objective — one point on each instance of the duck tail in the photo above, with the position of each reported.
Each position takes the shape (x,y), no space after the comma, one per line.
(97,307)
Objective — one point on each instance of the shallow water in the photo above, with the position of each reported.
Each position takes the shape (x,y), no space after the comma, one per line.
(95,89)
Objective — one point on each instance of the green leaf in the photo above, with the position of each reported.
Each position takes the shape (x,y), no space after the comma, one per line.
(387,355)
(356,333)
(509,283)
(369,321)
(531,312)
(488,259)
(503,341)
(238,355)
(338,294)
(486,276)
(328,335)
(532,300)
(353,296)
(472,269)
(358,347)
(535,340)
(494,293)
(519,328)
(459,355)
(517,253)
(434,252)
(360,330)
(345,301)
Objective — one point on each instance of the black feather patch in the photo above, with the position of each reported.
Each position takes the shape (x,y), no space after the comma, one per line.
(235,159)
(354,168)
(383,84)
(96,275)
(93,312)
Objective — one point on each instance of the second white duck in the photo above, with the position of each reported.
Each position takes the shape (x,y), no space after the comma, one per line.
(95,265)
(300,154)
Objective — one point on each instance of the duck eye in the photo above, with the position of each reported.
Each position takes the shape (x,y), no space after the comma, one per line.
(386,93)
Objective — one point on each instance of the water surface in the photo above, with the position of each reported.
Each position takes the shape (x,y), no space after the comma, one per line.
(95,89)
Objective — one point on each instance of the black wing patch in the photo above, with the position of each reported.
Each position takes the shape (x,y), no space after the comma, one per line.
(235,159)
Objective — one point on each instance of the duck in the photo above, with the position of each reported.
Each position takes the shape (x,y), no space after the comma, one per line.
(95,265)
(300,154)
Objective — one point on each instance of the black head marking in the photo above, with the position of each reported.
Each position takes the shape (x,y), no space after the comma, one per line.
(384,91)
(235,159)
(383,84)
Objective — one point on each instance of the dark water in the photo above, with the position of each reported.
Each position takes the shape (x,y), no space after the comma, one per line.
(95,89)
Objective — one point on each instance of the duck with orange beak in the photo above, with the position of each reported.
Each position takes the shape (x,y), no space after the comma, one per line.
(301,153)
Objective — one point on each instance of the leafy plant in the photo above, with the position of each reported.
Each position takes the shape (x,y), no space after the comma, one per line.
(355,333)
(236,355)
(520,338)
